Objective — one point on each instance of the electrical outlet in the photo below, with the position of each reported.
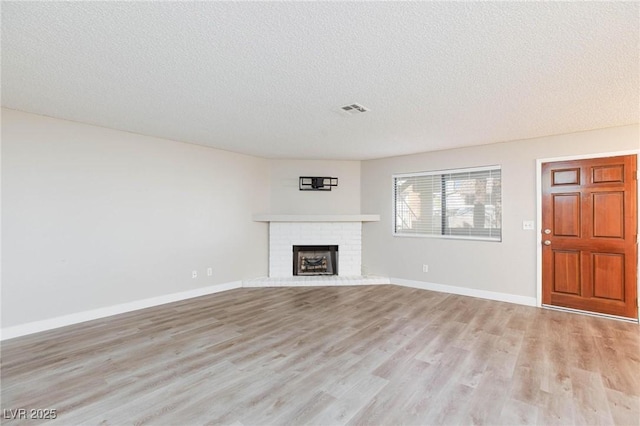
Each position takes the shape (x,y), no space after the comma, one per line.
(194,274)
(425,268)
(209,272)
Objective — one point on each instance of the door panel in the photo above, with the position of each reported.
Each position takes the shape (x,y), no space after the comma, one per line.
(565,177)
(608,214)
(606,174)
(566,272)
(590,226)
(608,276)
(566,215)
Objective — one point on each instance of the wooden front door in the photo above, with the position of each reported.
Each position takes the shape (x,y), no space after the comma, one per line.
(589,235)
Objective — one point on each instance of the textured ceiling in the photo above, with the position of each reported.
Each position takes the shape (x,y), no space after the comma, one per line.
(268,78)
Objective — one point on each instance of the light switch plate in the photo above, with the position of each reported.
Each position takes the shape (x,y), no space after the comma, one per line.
(528,225)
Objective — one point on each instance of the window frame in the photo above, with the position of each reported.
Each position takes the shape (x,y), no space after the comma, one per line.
(442,172)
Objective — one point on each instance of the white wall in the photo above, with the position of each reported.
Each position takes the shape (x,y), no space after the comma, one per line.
(286,198)
(94,217)
(506,267)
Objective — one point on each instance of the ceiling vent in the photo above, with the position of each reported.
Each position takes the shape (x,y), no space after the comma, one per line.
(354,109)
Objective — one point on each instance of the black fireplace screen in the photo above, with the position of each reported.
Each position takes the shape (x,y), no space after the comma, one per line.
(315,260)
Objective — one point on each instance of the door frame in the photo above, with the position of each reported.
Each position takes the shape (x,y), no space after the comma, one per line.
(539,162)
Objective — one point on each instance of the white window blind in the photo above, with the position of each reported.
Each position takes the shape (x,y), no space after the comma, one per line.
(462,203)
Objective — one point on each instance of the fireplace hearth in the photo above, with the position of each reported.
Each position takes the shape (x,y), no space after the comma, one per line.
(315,260)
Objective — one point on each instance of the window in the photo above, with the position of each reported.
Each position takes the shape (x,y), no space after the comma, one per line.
(463,203)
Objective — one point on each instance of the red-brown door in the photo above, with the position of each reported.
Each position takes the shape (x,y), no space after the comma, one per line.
(589,235)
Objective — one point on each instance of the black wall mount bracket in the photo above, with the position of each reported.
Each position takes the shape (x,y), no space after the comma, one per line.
(317,183)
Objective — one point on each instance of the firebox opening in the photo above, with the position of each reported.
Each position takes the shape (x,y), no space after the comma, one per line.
(315,260)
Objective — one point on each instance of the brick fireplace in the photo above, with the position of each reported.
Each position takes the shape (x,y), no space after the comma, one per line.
(343,231)
(284,235)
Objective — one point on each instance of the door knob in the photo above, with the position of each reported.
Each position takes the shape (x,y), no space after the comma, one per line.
(547,231)
(547,243)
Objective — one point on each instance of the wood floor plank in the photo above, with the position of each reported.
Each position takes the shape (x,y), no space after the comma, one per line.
(625,409)
(329,355)
(503,360)
(589,398)
(385,406)
(515,412)
(487,401)
(556,410)
(445,409)
(435,389)
(350,401)
(619,373)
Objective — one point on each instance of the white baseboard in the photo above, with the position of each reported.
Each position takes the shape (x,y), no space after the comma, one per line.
(464,291)
(49,324)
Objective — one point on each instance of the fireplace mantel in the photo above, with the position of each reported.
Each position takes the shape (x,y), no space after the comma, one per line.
(316,217)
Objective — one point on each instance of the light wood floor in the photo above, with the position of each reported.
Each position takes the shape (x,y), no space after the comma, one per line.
(330,355)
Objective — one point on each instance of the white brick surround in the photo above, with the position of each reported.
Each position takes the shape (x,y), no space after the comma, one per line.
(284,235)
